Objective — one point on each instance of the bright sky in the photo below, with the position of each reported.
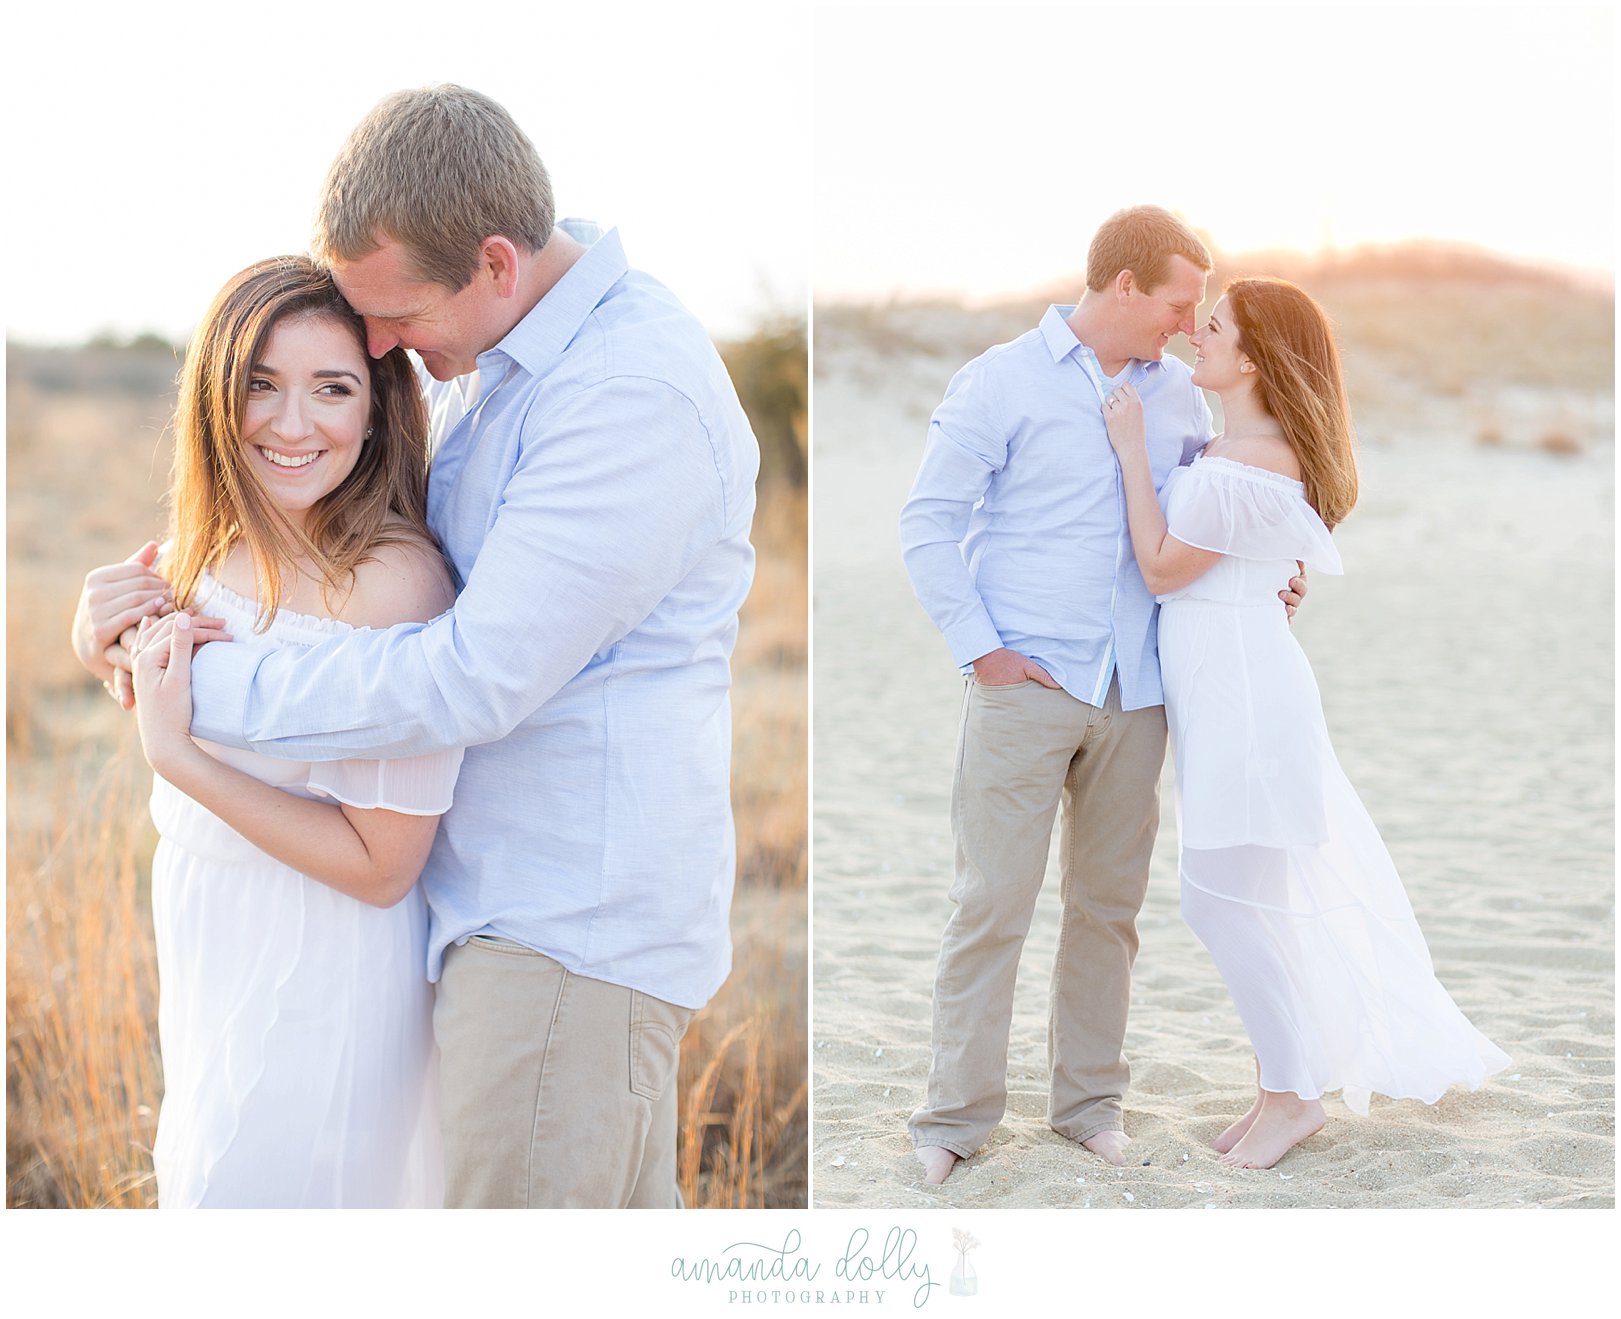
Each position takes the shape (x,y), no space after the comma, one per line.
(154,150)
(974,149)
(957,147)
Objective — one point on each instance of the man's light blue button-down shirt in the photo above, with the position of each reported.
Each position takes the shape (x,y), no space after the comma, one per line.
(1015,531)
(595,493)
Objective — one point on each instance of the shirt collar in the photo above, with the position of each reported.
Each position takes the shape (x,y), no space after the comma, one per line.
(1061,341)
(536,341)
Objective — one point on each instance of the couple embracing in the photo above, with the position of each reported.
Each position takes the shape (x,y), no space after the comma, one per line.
(1103,570)
(446,850)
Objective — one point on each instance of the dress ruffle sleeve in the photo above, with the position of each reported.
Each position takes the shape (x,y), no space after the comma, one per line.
(1249,513)
(412,785)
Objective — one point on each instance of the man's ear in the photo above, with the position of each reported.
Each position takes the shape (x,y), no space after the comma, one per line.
(499,262)
(1125,283)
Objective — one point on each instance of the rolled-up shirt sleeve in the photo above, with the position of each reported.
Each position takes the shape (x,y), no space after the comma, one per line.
(591,532)
(966,447)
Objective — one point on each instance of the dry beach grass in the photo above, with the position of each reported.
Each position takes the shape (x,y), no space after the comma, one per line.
(87,466)
(1466,663)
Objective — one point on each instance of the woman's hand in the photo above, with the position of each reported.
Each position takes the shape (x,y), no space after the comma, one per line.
(123,651)
(163,691)
(1123,415)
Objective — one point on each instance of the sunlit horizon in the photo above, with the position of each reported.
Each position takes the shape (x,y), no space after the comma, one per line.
(1322,259)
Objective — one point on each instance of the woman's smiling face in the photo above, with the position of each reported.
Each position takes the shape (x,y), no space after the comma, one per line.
(1217,357)
(308,408)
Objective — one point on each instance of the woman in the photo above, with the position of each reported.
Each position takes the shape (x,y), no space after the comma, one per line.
(1284,877)
(295,1017)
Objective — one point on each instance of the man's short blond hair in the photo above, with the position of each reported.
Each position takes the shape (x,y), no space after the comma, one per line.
(439,169)
(1142,239)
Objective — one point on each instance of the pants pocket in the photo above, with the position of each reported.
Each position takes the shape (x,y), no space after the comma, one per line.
(491,943)
(656,1028)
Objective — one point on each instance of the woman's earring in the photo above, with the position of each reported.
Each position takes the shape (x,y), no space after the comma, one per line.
(369,430)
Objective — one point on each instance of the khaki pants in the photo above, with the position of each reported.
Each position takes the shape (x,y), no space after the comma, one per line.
(1022,749)
(558,1091)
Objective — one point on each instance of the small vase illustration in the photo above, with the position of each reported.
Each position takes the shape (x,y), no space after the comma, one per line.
(964,1281)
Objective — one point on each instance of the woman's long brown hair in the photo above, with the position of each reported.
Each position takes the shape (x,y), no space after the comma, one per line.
(1288,337)
(217,499)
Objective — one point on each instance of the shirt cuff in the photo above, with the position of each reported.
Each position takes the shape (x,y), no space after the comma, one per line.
(221,679)
(973,638)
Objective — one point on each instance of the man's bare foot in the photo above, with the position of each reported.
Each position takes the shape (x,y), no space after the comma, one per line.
(1283,1122)
(1235,1132)
(937,1162)
(1110,1145)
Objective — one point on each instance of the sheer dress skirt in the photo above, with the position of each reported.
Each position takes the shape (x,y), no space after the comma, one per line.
(1284,878)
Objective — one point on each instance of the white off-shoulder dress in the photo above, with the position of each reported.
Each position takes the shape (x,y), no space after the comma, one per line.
(1284,877)
(295,1022)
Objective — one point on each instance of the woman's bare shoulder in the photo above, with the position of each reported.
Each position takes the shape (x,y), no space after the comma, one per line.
(1271,453)
(402,581)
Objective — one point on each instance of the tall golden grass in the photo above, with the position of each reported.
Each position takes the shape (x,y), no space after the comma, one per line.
(87,465)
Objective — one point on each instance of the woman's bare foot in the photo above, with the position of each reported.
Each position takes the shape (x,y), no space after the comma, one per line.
(937,1162)
(1283,1122)
(1235,1132)
(1110,1145)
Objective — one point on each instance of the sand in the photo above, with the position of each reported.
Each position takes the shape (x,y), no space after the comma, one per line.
(1466,662)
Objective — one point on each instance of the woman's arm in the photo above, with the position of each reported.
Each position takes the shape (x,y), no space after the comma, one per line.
(1167,564)
(374,855)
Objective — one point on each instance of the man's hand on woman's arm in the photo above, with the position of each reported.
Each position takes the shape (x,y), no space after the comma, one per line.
(112,604)
(115,597)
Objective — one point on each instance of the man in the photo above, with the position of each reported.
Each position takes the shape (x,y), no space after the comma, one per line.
(1015,538)
(593,485)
